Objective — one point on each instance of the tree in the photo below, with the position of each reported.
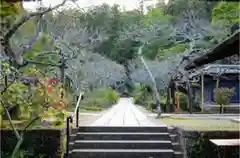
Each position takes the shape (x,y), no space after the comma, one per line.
(202,8)
(224,96)
(226,12)
(96,71)
(13,59)
(10,30)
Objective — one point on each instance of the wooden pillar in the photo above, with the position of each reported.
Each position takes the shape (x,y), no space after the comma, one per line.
(173,97)
(216,89)
(190,100)
(168,104)
(202,91)
(178,100)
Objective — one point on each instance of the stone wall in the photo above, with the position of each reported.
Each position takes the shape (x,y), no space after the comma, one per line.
(37,143)
(196,144)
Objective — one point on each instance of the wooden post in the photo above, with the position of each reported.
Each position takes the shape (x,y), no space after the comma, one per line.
(217,86)
(177,101)
(190,99)
(168,100)
(216,89)
(173,97)
(202,91)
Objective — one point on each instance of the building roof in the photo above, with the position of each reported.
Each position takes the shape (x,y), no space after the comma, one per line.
(217,69)
(227,48)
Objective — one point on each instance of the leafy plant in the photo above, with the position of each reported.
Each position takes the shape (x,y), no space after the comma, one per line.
(226,12)
(99,99)
(112,96)
(224,96)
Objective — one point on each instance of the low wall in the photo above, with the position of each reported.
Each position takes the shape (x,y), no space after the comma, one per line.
(196,144)
(37,143)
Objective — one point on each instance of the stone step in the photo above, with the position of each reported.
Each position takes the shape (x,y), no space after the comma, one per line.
(121,136)
(178,155)
(172,130)
(72,137)
(120,153)
(174,138)
(152,129)
(176,147)
(121,144)
(71,146)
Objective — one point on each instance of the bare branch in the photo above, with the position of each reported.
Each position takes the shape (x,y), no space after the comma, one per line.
(32,41)
(5,41)
(24,19)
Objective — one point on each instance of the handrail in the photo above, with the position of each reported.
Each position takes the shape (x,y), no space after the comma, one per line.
(78,103)
(70,120)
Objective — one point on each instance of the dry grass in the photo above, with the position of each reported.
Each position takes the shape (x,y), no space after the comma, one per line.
(202,124)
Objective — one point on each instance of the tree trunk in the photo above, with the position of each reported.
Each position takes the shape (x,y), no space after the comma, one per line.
(127,71)
(173,97)
(189,97)
(168,108)
(159,111)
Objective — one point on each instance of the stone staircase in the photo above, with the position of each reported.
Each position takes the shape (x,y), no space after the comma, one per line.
(175,139)
(125,141)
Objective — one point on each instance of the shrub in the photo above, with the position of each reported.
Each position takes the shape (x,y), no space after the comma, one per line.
(112,96)
(137,90)
(93,108)
(183,101)
(152,105)
(137,100)
(142,95)
(224,96)
(99,99)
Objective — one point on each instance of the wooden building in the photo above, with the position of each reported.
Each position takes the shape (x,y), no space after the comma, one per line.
(228,74)
(227,48)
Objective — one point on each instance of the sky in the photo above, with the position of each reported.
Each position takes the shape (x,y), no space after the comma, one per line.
(126,4)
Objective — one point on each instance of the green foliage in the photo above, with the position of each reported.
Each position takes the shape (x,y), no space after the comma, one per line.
(32,100)
(99,99)
(180,48)
(183,101)
(143,95)
(137,100)
(152,105)
(124,51)
(224,95)
(112,96)
(7,8)
(17,95)
(94,108)
(226,12)
(156,14)
(199,146)
(201,8)
(130,17)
